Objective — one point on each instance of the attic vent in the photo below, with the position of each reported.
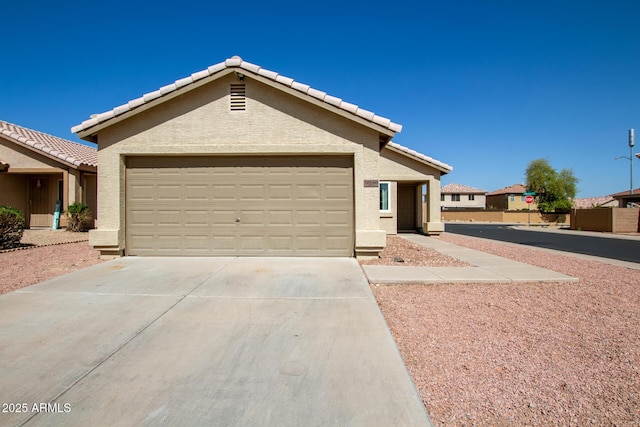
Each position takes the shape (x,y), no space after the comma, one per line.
(238,97)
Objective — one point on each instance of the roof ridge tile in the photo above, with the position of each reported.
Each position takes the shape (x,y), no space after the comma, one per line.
(238,62)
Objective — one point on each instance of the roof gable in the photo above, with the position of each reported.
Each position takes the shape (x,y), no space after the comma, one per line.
(62,150)
(429,161)
(243,68)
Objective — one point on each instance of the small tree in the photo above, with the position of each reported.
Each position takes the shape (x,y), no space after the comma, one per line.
(554,190)
(79,216)
(11,227)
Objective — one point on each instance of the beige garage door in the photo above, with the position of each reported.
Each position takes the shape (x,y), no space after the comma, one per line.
(239,206)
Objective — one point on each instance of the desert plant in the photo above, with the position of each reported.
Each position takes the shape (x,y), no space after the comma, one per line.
(79,216)
(11,227)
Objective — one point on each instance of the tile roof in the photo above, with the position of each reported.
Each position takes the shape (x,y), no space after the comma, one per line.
(591,202)
(63,150)
(420,157)
(636,192)
(512,189)
(460,189)
(236,63)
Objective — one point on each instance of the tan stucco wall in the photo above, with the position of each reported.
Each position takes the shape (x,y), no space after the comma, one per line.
(200,122)
(396,167)
(20,157)
(13,191)
(522,217)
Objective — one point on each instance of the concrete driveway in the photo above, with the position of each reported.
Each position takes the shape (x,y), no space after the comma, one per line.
(203,341)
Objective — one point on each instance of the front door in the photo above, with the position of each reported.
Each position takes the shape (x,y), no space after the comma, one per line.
(406,207)
(39,206)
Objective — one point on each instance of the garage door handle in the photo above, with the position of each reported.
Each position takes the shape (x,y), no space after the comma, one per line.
(237,219)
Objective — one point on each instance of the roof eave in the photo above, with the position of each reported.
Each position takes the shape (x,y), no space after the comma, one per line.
(90,133)
(442,168)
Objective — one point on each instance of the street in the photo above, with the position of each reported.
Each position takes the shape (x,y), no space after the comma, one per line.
(618,249)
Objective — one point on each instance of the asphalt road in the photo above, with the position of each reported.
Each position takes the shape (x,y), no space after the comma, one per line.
(619,249)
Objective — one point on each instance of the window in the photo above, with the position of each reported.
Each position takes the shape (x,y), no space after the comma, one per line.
(442,197)
(512,197)
(61,191)
(522,198)
(472,197)
(455,197)
(385,196)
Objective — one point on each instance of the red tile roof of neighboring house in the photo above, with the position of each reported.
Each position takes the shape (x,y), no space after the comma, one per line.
(62,150)
(591,202)
(460,189)
(512,189)
(236,63)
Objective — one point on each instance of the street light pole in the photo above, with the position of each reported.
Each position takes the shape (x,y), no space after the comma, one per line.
(630,158)
(631,143)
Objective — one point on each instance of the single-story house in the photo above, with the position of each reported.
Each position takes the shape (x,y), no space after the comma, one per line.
(238,160)
(509,198)
(39,170)
(457,196)
(627,198)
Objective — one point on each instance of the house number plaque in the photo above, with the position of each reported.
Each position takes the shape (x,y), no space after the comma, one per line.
(371,183)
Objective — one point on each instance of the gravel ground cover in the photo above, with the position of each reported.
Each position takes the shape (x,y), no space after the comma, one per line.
(399,252)
(544,354)
(45,254)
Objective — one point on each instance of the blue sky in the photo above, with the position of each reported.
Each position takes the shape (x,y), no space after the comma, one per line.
(483,85)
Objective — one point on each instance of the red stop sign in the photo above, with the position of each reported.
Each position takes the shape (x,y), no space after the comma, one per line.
(528,199)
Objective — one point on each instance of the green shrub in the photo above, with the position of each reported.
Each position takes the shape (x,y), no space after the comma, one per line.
(11,227)
(79,216)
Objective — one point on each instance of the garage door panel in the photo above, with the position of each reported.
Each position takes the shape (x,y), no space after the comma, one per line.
(223,192)
(197,218)
(287,206)
(251,192)
(283,217)
(196,192)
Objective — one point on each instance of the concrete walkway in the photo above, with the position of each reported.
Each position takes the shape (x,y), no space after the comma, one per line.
(203,341)
(487,268)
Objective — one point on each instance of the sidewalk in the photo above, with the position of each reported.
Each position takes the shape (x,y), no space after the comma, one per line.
(488,268)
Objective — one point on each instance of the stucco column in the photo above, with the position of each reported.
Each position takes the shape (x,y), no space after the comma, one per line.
(72,187)
(108,238)
(433,224)
(65,190)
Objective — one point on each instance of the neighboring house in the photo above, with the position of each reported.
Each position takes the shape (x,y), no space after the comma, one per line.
(38,169)
(595,202)
(239,160)
(627,199)
(458,196)
(510,198)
